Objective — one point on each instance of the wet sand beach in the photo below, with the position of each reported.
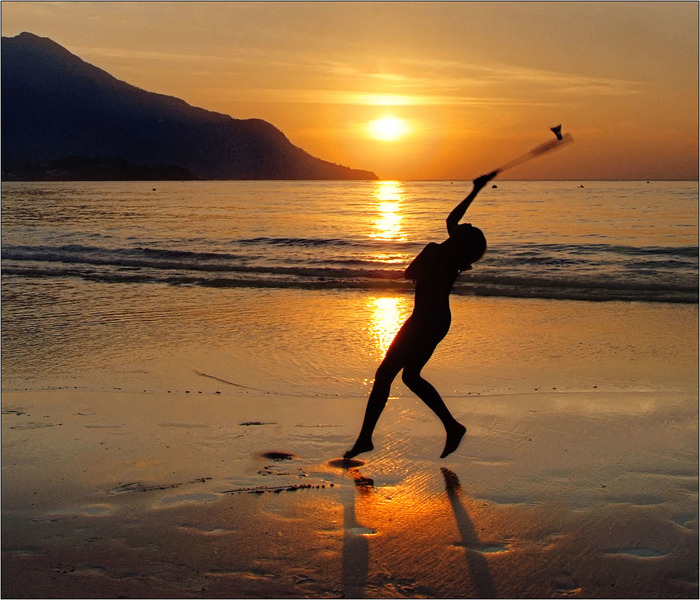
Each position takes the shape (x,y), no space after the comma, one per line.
(208,468)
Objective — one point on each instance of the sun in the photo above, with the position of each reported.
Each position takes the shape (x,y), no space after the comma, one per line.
(388,129)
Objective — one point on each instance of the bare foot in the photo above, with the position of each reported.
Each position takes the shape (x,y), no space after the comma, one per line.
(358,448)
(454,438)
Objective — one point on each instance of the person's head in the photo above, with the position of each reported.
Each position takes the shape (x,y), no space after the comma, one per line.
(469,243)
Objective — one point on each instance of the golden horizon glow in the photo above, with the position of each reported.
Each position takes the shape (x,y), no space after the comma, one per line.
(622,77)
(388,129)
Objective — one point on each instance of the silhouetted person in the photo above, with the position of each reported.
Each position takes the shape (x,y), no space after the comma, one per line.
(434,272)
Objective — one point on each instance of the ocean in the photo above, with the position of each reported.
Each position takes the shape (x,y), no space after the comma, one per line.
(297,287)
(627,241)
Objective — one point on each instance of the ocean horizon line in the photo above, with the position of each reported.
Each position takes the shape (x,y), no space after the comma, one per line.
(351,181)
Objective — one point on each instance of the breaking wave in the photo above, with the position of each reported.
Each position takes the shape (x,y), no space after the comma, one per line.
(593,272)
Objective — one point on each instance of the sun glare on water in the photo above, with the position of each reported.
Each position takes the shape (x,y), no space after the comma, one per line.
(387,225)
(387,316)
(388,129)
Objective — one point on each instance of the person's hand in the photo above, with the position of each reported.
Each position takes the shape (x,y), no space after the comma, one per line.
(480,182)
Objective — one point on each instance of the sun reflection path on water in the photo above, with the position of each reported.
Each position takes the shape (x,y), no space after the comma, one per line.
(388,314)
(387,225)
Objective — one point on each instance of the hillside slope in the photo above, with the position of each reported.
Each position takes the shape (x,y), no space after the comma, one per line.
(65,118)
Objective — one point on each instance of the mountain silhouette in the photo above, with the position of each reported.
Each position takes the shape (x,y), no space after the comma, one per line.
(63,118)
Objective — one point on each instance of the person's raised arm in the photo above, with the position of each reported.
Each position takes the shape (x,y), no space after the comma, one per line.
(458,212)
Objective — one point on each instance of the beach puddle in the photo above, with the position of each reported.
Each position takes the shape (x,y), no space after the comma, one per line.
(222,573)
(489,462)
(566,587)
(685,519)
(484,548)
(361,531)
(510,500)
(637,553)
(215,532)
(638,499)
(189,498)
(493,549)
(24,551)
(92,510)
(91,570)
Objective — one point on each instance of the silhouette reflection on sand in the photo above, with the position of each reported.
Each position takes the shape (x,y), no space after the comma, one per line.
(355,566)
(477,564)
(356,539)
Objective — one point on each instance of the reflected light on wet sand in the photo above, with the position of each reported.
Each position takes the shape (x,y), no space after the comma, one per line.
(387,225)
(402,537)
(388,314)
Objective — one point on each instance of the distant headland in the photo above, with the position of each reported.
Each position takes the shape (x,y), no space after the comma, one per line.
(64,119)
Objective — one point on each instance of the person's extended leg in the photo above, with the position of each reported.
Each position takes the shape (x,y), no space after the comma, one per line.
(428,394)
(401,346)
(386,373)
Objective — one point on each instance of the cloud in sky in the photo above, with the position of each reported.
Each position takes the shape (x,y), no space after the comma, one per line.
(446,80)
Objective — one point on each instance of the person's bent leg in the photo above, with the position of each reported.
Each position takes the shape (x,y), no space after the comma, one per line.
(427,393)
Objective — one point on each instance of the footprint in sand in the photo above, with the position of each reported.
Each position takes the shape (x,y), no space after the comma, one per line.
(342,463)
(278,456)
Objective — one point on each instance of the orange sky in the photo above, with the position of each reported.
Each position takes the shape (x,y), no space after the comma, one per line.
(475,84)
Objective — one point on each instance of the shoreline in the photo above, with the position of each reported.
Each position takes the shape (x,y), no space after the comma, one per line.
(195,457)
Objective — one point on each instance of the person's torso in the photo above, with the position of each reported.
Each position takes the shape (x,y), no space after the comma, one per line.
(435,278)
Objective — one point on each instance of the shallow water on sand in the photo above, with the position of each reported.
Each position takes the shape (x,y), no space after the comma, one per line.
(329,343)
